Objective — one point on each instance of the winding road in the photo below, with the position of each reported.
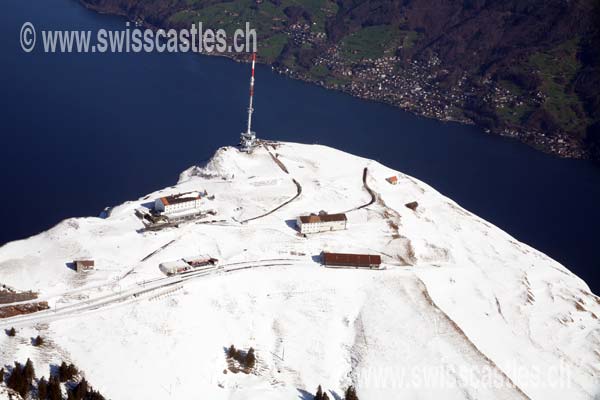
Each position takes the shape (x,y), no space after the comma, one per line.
(298,189)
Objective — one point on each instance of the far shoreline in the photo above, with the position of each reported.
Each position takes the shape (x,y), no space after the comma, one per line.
(558,146)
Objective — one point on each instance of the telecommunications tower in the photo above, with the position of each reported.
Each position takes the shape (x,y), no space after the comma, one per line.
(248,138)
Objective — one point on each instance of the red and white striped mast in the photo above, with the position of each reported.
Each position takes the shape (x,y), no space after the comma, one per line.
(250,109)
(248,138)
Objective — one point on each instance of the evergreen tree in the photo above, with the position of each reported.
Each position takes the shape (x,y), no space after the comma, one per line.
(43,389)
(250,359)
(82,388)
(62,372)
(325,397)
(93,395)
(319,395)
(1,375)
(232,352)
(14,376)
(54,392)
(29,371)
(72,371)
(79,391)
(17,380)
(350,394)
(38,341)
(66,372)
(11,332)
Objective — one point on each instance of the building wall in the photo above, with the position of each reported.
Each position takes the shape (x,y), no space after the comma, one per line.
(321,226)
(79,267)
(370,266)
(177,207)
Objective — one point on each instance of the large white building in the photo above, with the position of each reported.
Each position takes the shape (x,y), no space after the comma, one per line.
(178,203)
(321,223)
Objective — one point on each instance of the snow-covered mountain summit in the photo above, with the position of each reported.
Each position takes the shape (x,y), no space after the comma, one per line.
(461,311)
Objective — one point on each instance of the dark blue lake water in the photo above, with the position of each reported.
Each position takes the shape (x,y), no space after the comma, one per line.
(81,132)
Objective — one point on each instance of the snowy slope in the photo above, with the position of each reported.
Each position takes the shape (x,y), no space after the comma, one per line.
(462,310)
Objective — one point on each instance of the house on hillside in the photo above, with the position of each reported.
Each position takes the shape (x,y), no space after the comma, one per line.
(322,222)
(179,202)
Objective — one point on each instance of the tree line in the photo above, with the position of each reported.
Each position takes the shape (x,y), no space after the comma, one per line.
(22,380)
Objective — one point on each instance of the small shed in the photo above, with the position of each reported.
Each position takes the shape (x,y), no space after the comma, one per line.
(392,180)
(83,265)
(412,205)
(174,267)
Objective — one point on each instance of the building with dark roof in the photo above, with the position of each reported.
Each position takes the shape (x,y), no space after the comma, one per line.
(351,260)
(322,222)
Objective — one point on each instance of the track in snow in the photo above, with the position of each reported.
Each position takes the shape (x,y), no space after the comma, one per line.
(298,193)
(368,189)
(136,292)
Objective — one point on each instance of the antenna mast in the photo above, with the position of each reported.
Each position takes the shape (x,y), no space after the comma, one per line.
(248,138)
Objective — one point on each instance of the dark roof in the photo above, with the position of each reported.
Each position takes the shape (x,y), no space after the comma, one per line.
(355,260)
(313,218)
(178,198)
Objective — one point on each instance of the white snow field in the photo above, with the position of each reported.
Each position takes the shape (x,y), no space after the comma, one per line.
(461,311)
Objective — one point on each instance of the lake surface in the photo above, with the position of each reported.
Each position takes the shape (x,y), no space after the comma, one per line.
(82,132)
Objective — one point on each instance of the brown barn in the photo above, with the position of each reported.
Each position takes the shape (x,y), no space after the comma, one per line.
(351,260)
